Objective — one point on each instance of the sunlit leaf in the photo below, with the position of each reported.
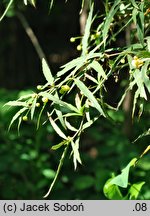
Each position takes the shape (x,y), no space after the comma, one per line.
(56,128)
(55,147)
(146,133)
(76,154)
(135,190)
(109,18)
(87,32)
(17,116)
(47,73)
(33,107)
(89,95)
(60,102)
(122,179)
(16,103)
(97,67)
(112,191)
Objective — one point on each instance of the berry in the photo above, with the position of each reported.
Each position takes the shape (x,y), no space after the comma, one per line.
(72,39)
(64,89)
(39,87)
(136,62)
(38,104)
(25,118)
(45,100)
(79,47)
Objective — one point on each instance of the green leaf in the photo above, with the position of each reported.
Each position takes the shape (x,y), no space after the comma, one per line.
(17,116)
(146,133)
(122,179)
(87,32)
(148,44)
(58,112)
(70,65)
(144,75)
(60,102)
(84,182)
(48,173)
(47,73)
(33,107)
(109,18)
(56,128)
(25,2)
(97,67)
(69,126)
(135,189)
(89,95)
(112,191)
(16,103)
(55,147)
(32,2)
(76,154)
(89,123)
(139,81)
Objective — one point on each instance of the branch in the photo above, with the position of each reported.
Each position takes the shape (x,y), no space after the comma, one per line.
(31,35)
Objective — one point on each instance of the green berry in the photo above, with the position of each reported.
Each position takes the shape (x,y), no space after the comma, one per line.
(79,47)
(64,89)
(72,39)
(38,104)
(45,99)
(39,87)
(25,118)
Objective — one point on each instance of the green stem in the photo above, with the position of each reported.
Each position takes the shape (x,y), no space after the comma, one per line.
(58,170)
(7,8)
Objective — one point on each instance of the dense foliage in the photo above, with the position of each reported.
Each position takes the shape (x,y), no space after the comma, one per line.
(77,98)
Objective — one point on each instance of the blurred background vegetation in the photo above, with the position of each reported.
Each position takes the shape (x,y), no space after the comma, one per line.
(27,164)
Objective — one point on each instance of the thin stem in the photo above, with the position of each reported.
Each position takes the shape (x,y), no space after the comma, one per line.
(58,170)
(7,8)
(31,35)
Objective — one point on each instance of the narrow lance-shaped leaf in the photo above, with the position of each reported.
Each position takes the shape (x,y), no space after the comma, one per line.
(87,32)
(69,126)
(58,112)
(17,116)
(76,154)
(33,107)
(60,102)
(47,73)
(56,128)
(57,146)
(146,133)
(25,2)
(109,18)
(97,67)
(16,103)
(89,95)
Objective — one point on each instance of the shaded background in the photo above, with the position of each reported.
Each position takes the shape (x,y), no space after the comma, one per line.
(27,165)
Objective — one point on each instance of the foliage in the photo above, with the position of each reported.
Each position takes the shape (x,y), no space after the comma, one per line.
(76,97)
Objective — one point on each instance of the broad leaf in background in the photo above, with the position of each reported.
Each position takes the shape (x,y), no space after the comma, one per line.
(112,191)
(122,179)
(135,189)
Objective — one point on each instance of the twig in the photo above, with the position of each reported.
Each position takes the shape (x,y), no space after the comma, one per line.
(31,35)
